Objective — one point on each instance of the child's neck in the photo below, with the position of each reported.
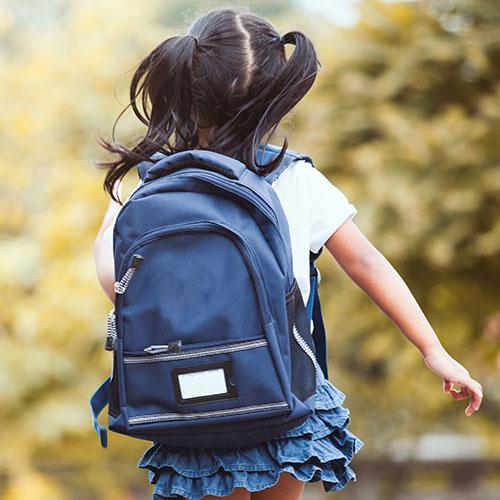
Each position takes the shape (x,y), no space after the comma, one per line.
(204,134)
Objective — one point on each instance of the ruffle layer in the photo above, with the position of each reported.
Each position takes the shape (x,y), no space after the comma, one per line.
(319,449)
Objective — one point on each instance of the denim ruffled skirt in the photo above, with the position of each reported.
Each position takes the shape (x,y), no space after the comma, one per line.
(320,448)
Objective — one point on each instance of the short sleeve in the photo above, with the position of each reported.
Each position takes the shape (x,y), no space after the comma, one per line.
(329,207)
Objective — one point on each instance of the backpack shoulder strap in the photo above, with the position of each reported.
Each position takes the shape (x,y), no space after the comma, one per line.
(266,152)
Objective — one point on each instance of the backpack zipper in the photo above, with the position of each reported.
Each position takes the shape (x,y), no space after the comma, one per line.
(304,346)
(258,201)
(111,334)
(247,253)
(159,417)
(194,353)
(252,196)
(122,285)
(174,346)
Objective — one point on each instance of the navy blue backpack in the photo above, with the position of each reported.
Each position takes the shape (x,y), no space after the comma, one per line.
(210,336)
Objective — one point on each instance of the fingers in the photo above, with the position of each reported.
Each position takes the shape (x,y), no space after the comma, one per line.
(477,396)
(463,393)
(468,388)
(447,385)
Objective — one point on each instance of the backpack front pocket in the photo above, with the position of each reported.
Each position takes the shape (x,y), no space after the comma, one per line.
(202,381)
(197,280)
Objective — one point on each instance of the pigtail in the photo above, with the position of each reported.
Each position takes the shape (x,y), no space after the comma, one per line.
(161,98)
(292,84)
(267,103)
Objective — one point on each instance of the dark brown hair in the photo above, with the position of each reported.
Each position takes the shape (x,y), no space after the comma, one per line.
(229,73)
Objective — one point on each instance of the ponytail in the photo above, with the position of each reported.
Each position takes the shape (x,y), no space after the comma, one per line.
(269,103)
(166,85)
(293,83)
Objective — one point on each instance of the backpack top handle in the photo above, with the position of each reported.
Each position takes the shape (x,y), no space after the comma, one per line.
(207,160)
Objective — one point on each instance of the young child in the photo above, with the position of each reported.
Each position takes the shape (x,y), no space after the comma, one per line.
(225,86)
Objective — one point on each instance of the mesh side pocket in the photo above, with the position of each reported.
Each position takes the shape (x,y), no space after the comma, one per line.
(302,351)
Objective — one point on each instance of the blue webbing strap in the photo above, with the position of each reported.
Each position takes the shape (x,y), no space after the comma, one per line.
(310,300)
(266,152)
(98,402)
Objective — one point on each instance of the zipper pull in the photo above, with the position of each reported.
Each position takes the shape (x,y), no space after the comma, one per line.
(137,261)
(174,346)
(111,334)
(122,285)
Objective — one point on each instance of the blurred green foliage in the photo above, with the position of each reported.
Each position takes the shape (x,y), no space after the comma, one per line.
(404,119)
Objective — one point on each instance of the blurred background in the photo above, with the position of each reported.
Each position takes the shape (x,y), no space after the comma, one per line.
(404,118)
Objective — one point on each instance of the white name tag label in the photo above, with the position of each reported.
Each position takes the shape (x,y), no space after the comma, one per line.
(202,383)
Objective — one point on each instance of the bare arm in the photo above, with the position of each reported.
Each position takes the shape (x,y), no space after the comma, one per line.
(374,274)
(103,247)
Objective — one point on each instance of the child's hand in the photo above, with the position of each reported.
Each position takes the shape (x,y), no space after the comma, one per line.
(453,373)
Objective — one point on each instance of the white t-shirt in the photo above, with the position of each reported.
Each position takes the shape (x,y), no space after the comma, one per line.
(315,208)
